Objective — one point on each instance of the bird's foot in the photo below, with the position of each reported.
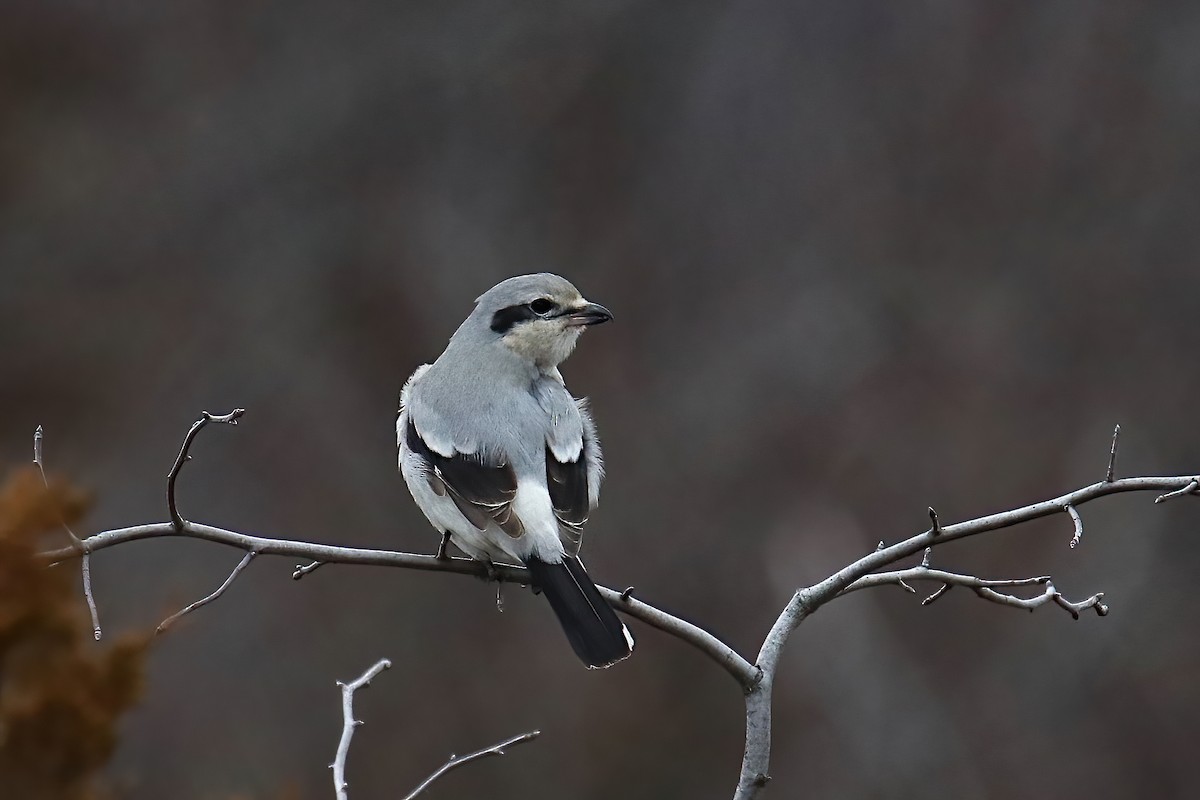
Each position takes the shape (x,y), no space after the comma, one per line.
(442,555)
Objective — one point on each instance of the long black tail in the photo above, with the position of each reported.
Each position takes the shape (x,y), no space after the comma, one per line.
(597,636)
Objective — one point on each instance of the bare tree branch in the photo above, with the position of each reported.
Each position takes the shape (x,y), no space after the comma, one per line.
(171,620)
(231,418)
(985,589)
(349,723)
(745,673)
(77,545)
(756,758)
(458,761)
(1051,594)
(756,680)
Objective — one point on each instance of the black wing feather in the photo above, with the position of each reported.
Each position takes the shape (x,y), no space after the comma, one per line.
(483,492)
(568,485)
(567,482)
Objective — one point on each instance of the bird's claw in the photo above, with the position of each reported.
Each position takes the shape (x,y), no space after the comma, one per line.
(442,555)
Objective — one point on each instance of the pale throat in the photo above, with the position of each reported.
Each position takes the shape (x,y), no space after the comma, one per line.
(547,344)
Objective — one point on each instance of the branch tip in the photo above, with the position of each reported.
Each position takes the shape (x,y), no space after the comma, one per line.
(456,761)
(937,525)
(303,569)
(171,620)
(1075,518)
(1192,486)
(1109,474)
(945,587)
(984,588)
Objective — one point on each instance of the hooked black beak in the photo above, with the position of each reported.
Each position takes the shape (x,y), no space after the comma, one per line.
(590,314)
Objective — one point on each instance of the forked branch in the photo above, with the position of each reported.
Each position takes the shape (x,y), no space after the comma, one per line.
(986,589)
(349,723)
(76,544)
(754,679)
(230,419)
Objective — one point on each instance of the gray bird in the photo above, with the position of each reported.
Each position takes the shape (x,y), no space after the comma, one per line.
(500,456)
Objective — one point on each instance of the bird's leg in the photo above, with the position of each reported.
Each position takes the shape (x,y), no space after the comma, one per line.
(441,553)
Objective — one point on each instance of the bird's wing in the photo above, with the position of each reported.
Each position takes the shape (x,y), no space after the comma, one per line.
(481,486)
(567,482)
(574,467)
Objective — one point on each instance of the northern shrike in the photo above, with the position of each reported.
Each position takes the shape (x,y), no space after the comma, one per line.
(501,457)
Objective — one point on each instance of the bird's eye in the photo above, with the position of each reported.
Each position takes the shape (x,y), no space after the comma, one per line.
(541,306)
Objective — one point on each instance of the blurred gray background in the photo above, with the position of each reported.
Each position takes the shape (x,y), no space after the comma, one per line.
(864,257)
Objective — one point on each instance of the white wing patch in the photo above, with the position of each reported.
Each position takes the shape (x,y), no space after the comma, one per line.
(564,434)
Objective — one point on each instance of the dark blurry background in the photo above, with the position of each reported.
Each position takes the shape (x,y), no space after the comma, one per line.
(864,257)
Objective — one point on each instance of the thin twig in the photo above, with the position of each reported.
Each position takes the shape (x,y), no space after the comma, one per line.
(945,587)
(349,723)
(1050,595)
(1191,487)
(171,620)
(1112,456)
(983,587)
(231,418)
(895,577)
(76,543)
(303,569)
(1075,518)
(458,761)
(937,525)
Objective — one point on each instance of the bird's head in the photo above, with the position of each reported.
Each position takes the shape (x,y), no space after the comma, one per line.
(538,317)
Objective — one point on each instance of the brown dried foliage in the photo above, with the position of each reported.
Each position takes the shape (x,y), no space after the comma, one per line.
(61,693)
